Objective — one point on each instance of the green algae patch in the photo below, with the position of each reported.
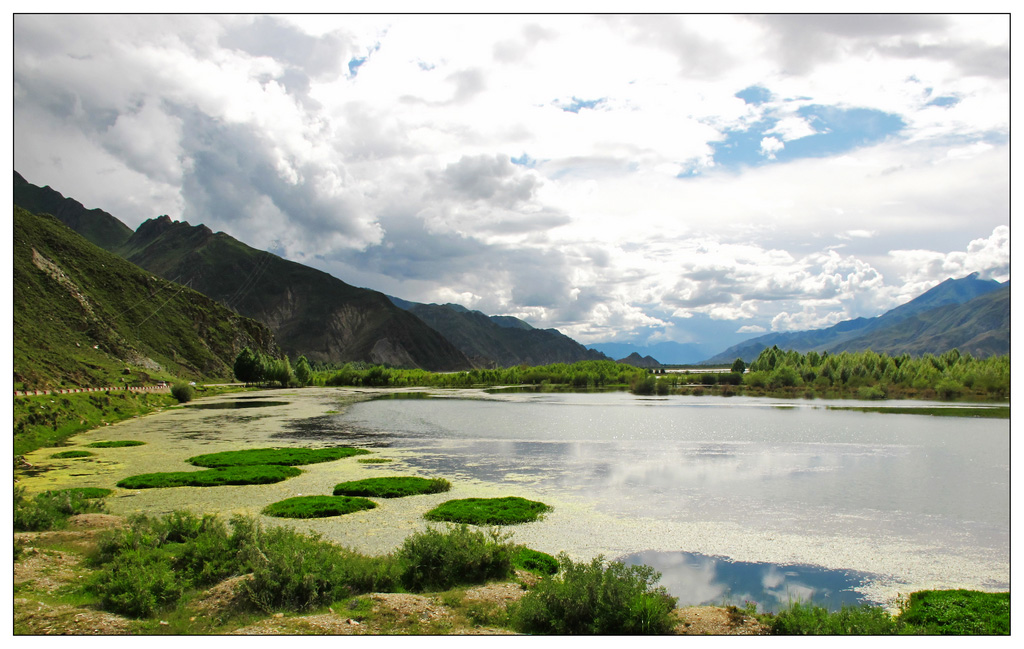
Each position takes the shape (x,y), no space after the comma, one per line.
(374,460)
(510,510)
(275,456)
(64,455)
(233,475)
(396,487)
(116,443)
(317,506)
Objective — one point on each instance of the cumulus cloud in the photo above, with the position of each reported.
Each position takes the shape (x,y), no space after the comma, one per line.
(598,174)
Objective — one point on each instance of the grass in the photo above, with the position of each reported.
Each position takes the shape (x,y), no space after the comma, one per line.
(534,561)
(997,412)
(116,443)
(510,510)
(278,456)
(51,509)
(63,455)
(233,475)
(396,487)
(374,460)
(317,506)
(83,492)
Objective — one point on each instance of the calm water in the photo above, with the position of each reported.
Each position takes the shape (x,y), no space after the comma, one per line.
(760,464)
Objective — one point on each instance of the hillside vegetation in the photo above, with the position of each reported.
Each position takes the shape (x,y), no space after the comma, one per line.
(86,317)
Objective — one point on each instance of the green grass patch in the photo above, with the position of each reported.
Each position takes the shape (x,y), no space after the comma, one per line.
(317,506)
(396,487)
(278,456)
(116,443)
(540,563)
(64,455)
(958,612)
(82,492)
(234,475)
(510,510)
(374,460)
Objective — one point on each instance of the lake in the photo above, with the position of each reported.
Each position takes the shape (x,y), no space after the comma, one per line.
(874,500)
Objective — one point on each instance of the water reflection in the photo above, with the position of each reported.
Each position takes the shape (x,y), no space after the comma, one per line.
(698,579)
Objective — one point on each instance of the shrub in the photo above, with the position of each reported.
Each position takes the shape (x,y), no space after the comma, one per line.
(278,456)
(643,385)
(234,475)
(535,561)
(317,506)
(438,560)
(138,583)
(488,511)
(592,598)
(396,487)
(183,392)
(51,509)
(810,619)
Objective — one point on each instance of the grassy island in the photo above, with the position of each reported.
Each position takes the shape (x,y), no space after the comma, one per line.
(317,506)
(396,487)
(510,510)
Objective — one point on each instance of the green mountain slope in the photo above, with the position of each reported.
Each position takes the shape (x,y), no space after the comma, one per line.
(97,226)
(500,340)
(980,327)
(83,316)
(861,332)
(310,312)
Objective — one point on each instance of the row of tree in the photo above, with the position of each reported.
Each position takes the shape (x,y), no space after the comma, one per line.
(256,368)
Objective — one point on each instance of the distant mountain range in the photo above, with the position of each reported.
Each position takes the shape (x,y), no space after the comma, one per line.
(503,341)
(86,317)
(668,353)
(970,314)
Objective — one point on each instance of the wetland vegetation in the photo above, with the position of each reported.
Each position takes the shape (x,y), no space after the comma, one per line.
(510,510)
(392,487)
(317,506)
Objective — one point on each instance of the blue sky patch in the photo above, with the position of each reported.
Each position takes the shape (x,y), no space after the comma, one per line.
(944,102)
(755,95)
(353,65)
(579,104)
(838,130)
(524,161)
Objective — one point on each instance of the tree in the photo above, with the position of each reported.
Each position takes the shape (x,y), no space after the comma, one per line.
(248,367)
(738,366)
(303,372)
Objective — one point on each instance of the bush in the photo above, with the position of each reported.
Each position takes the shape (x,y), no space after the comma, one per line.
(317,506)
(438,560)
(597,599)
(396,487)
(488,511)
(138,583)
(809,619)
(183,392)
(51,509)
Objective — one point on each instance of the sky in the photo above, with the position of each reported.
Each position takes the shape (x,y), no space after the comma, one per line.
(637,178)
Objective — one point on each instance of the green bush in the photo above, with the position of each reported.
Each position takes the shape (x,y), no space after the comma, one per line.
(317,506)
(138,583)
(534,561)
(488,511)
(594,598)
(51,509)
(438,560)
(232,475)
(82,492)
(279,456)
(810,619)
(396,487)
(183,392)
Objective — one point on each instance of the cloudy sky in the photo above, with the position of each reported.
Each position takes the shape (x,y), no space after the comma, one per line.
(699,179)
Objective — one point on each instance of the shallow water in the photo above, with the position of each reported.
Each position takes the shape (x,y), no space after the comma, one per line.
(903,502)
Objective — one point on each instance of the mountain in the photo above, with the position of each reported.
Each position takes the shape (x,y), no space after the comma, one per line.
(310,312)
(97,226)
(893,329)
(636,360)
(670,353)
(980,327)
(86,317)
(499,340)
